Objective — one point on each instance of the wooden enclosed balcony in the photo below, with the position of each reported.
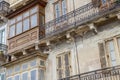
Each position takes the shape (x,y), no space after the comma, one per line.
(25,25)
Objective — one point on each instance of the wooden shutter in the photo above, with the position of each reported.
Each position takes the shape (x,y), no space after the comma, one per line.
(96,3)
(59,67)
(67,64)
(102,55)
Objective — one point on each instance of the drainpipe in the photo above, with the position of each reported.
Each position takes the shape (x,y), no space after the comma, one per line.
(75,42)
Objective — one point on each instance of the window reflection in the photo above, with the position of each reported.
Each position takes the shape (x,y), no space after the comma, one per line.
(33,75)
(12,31)
(34,20)
(26,24)
(19,28)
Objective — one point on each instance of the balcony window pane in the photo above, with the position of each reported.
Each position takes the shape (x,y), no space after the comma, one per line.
(2,76)
(26,14)
(19,28)
(33,75)
(12,21)
(12,31)
(17,68)
(2,36)
(17,77)
(26,24)
(33,19)
(25,76)
(9,79)
(19,18)
(24,66)
(34,10)
(33,63)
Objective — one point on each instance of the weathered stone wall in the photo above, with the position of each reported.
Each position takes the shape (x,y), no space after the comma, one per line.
(88,51)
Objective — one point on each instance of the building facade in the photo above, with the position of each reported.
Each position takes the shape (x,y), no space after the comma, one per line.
(63,40)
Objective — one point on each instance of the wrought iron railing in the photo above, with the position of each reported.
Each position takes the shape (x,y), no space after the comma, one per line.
(3,47)
(78,17)
(111,73)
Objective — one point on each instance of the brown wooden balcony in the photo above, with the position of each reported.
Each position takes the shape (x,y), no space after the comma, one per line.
(80,16)
(111,73)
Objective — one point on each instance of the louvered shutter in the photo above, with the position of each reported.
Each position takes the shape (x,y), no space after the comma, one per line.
(59,67)
(102,55)
(67,65)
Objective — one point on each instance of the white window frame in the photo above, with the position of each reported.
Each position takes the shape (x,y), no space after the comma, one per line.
(23,73)
(16,75)
(36,73)
(10,77)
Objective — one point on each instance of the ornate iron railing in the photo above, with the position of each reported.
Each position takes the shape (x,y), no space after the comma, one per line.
(78,17)
(111,73)
(3,47)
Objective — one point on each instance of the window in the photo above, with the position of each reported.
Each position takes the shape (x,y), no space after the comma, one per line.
(12,31)
(17,77)
(24,66)
(2,36)
(111,52)
(10,78)
(26,24)
(57,10)
(25,76)
(33,63)
(33,75)
(60,8)
(42,74)
(33,19)
(23,22)
(19,28)
(2,76)
(17,68)
(64,7)
(63,65)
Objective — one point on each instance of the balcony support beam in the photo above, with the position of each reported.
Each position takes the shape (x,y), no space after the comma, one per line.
(118,15)
(24,51)
(37,46)
(93,28)
(13,57)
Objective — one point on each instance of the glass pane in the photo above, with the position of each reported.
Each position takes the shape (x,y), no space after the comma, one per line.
(57,10)
(33,63)
(34,22)
(12,31)
(64,9)
(26,14)
(9,79)
(19,28)
(34,10)
(25,76)
(42,20)
(17,77)
(112,53)
(42,74)
(12,21)
(2,36)
(19,18)
(33,75)
(17,68)
(24,66)
(2,77)
(26,24)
